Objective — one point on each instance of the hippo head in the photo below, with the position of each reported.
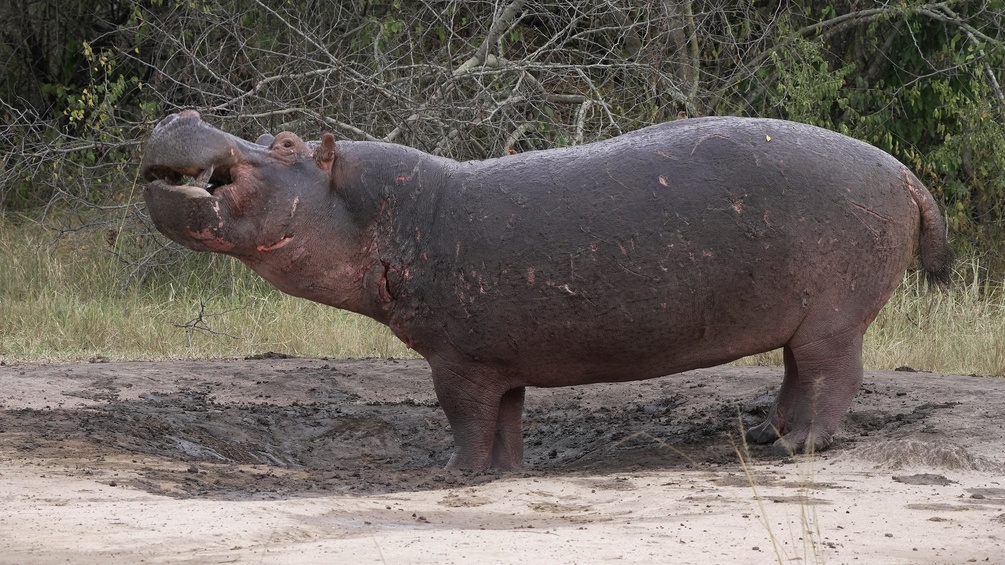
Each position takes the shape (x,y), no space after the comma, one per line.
(211,191)
(270,203)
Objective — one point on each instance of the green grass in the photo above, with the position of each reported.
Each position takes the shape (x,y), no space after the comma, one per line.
(71,298)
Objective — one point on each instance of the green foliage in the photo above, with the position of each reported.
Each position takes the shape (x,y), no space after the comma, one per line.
(805,86)
(915,82)
(69,106)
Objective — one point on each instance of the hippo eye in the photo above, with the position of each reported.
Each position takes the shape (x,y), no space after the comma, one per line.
(287,142)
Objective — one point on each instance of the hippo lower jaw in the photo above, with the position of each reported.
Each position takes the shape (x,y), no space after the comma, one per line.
(190,214)
(200,217)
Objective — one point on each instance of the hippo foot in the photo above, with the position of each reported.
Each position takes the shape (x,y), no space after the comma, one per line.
(804,443)
(496,462)
(799,441)
(765,432)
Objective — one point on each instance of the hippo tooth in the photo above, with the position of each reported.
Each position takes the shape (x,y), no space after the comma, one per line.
(202,181)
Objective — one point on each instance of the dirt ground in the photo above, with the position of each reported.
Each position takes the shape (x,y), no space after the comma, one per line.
(278,460)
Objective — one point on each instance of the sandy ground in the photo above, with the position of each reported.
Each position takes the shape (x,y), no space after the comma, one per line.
(321,461)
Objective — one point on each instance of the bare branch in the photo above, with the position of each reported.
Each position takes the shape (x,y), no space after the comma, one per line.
(314,115)
(499,26)
(943,13)
(201,323)
(515,136)
(823,30)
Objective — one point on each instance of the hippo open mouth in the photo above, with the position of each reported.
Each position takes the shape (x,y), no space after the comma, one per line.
(204,183)
(675,247)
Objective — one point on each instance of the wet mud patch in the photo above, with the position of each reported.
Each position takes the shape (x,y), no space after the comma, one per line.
(350,444)
(279,427)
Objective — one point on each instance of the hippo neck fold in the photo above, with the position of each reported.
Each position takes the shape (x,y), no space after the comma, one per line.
(393,193)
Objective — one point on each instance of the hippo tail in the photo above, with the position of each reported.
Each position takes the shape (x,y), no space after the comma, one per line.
(936,255)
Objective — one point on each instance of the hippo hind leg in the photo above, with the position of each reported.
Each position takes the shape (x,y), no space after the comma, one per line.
(821,379)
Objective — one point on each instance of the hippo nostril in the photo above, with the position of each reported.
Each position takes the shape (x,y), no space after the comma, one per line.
(164,123)
(167,121)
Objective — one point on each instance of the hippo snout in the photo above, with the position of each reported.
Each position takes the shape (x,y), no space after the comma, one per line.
(183,145)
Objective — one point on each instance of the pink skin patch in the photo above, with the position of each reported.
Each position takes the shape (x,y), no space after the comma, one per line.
(276,245)
(530,276)
(210,239)
(664,181)
(402,178)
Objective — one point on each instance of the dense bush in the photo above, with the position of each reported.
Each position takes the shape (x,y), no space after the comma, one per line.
(83,82)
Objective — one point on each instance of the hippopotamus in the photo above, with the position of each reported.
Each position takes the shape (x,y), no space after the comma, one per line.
(681,245)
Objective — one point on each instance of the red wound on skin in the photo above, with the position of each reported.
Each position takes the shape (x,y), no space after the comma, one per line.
(664,181)
(276,245)
(385,294)
(402,177)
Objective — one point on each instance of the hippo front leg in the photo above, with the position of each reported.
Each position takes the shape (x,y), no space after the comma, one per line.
(484,416)
(507,447)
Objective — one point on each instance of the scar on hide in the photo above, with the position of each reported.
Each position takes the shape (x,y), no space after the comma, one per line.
(869,211)
(216,210)
(706,138)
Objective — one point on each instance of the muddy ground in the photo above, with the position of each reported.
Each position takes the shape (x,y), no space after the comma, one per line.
(278,460)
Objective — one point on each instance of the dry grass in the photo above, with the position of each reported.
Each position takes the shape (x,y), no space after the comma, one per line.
(958,330)
(65,300)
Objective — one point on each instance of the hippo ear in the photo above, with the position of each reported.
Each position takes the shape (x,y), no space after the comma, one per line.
(324,155)
(265,139)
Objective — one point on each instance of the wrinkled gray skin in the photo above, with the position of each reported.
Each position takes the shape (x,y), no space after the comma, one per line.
(682,245)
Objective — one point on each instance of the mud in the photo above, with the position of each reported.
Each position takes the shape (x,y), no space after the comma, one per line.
(280,430)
